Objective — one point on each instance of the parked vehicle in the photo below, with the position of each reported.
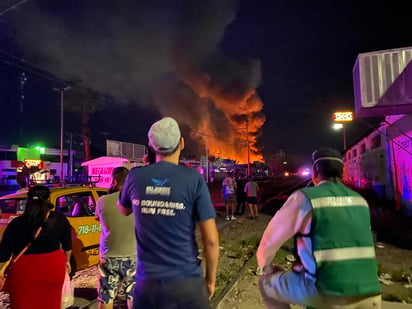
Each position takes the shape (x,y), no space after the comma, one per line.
(78,204)
(7,189)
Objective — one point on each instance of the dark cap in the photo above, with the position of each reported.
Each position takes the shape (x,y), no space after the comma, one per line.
(328,162)
(326,153)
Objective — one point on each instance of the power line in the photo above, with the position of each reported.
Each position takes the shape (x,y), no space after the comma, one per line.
(12,7)
(30,68)
(25,66)
(11,55)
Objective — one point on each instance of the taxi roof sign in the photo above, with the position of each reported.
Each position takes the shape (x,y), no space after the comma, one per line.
(342,116)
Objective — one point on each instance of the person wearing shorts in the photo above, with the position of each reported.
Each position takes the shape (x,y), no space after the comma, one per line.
(335,256)
(240,195)
(251,190)
(229,195)
(169,202)
(116,277)
(117,262)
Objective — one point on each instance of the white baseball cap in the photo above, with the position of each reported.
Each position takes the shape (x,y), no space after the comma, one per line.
(164,135)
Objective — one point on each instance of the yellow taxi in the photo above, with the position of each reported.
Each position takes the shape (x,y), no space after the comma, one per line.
(78,204)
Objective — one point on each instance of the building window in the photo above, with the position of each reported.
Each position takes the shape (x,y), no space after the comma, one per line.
(362,148)
(354,152)
(376,142)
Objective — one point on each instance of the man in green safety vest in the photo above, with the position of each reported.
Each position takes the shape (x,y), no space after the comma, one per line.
(335,254)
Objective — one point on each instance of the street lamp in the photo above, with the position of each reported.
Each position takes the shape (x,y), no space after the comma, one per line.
(340,117)
(61,90)
(338,126)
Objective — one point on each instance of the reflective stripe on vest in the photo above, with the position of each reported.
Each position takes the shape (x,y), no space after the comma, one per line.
(338,201)
(342,242)
(341,254)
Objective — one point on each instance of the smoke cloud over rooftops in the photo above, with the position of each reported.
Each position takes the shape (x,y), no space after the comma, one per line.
(153,52)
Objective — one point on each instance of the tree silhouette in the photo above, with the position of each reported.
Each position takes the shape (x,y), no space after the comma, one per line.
(84,101)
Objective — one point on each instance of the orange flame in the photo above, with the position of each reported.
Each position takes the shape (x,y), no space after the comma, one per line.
(242,112)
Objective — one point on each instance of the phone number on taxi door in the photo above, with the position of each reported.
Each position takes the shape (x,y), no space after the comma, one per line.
(86,229)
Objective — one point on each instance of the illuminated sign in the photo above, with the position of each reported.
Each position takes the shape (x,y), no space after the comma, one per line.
(32,162)
(41,149)
(343,116)
(27,153)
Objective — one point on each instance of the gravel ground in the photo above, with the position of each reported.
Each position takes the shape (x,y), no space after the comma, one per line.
(394,257)
(395,264)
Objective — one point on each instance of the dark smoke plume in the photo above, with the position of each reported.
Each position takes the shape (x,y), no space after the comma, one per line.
(152,52)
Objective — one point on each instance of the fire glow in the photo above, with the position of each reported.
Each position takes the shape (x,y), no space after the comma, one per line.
(243,112)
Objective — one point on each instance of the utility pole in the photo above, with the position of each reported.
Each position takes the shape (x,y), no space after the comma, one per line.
(207,161)
(246,129)
(71,156)
(62,90)
(23,80)
(247,145)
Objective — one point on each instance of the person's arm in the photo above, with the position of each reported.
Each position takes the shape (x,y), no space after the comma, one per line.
(246,187)
(125,211)
(98,209)
(124,203)
(210,239)
(283,226)
(66,240)
(6,244)
(68,253)
(6,247)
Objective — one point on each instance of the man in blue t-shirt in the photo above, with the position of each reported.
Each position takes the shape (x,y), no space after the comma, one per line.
(167,200)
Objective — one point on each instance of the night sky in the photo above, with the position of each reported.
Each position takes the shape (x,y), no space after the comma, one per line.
(285,66)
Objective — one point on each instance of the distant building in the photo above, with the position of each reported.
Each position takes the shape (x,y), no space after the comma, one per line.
(382,161)
(37,164)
